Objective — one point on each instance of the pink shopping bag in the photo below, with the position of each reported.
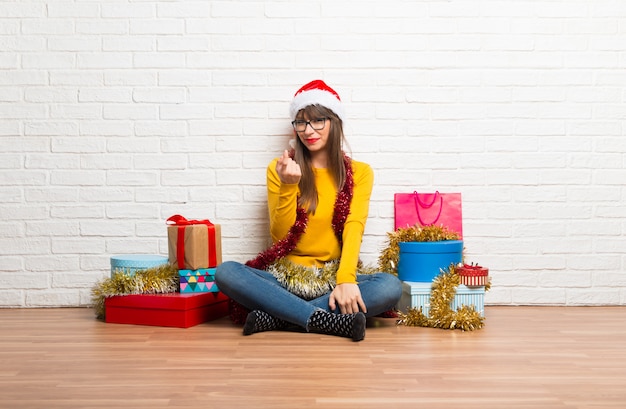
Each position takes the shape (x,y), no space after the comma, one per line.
(426,209)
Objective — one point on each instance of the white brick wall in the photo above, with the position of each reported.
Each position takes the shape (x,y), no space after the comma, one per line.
(116,115)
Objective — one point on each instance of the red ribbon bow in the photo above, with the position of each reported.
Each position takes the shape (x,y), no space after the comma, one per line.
(178,220)
(182,223)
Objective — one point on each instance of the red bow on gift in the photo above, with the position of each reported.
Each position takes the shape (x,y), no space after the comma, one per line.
(178,220)
(182,222)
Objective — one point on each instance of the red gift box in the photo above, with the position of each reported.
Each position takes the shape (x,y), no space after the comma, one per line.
(473,276)
(166,310)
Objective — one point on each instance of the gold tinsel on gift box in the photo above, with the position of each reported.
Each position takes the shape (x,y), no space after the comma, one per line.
(441,315)
(155,280)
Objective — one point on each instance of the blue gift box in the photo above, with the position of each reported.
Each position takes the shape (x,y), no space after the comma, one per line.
(198,281)
(129,263)
(423,261)
(416,295)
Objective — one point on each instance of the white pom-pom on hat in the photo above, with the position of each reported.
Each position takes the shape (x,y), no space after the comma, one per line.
(316,92)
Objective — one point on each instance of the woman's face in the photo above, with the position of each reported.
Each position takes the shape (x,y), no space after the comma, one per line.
(315,132)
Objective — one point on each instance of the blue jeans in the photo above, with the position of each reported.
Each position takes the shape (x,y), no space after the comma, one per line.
(259,290)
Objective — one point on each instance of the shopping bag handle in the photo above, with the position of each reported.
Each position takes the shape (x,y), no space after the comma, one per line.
(419,203)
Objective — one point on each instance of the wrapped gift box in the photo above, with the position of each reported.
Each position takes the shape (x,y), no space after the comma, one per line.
(416,295)
(129,263)
(473,276)
(197,281)
(423,261)
(194,244)
(166,310)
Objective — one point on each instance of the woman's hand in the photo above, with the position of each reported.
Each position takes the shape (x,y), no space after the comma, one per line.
(288,170)
(348,298)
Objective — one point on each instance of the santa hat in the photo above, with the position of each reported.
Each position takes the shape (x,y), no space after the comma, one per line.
(316,92)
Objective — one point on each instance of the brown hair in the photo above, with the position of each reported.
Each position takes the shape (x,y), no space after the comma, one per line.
(308,191)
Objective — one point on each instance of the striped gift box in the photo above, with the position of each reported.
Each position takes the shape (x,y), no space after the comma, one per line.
(417,295)
(473,276)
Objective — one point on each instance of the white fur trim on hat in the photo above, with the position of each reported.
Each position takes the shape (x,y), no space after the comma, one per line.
(313,97)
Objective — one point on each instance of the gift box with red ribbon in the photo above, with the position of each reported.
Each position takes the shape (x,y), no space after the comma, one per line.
(166,310)
(193,244)
(473,275)
(197,281)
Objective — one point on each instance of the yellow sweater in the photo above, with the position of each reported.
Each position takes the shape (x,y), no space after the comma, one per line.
(319,244)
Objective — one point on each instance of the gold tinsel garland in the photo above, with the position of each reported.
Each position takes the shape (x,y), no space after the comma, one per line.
(309,282)
(441,315)
(155,280)
(305,282)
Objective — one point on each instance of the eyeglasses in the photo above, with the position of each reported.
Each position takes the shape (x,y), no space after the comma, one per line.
(317,124)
